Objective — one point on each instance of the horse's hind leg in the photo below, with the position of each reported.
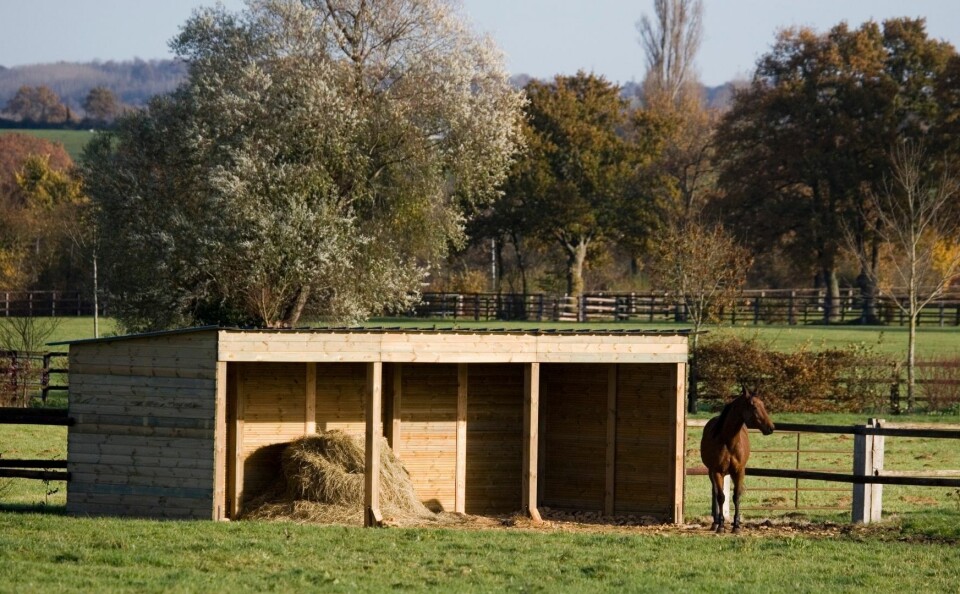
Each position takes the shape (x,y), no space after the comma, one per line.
(716,480)
(713,505)
(737,492)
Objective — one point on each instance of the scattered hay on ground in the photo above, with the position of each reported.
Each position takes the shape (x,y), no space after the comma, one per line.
(324,482)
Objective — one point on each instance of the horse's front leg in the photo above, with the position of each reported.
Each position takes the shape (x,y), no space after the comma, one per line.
(737,492)
(716,483)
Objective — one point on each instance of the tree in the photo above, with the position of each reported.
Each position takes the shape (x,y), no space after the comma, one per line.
(579,163)
(704,270)
(803,144)
(319,157)
(27,244)
(916,214)
(37,104)
(670,44)
(101,105)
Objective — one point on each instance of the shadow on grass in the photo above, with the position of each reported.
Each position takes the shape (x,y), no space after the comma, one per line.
(34,508)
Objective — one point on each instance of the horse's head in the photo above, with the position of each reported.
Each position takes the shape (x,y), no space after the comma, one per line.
(755,413)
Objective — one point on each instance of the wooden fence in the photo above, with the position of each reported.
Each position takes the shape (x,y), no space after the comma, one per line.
(24,375)
(753,307)
(14,304)
(868,473)
(45,470)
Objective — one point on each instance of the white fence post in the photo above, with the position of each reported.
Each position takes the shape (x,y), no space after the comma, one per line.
(868,461)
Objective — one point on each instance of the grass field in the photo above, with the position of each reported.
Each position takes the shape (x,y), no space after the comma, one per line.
(914,548)
(72,140)
(45,552)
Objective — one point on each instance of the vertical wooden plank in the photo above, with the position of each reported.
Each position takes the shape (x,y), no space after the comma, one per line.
(220,445)
(395,409)
(461,464)
(237,502)
(531,440)
(610,488)
(371,487)
(876,493)
(310,408)
(867,461)
(678,468)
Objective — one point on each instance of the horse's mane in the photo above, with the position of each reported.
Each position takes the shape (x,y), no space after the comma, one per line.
(718,428)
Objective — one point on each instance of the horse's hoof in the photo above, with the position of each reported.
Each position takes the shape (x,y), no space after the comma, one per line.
(736,530)
(714,526)
(720,529)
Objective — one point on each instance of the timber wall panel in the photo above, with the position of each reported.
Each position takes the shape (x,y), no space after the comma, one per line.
(573,404)
(494,458)
(143,441)
(645,439)
(340,397)
(274,411)
(428,441)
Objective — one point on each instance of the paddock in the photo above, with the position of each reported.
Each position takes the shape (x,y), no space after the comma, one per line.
(190,423)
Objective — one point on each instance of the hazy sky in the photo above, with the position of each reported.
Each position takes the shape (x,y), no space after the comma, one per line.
(540,37)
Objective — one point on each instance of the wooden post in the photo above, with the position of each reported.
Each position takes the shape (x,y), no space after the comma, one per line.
(310,407)
(531,431)
(236,503)
(868,461)
(679,442)
(459,503)
(611,466)
(220,445)
(371,484)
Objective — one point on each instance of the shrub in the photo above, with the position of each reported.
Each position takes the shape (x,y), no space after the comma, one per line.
(852,379)
(939,380)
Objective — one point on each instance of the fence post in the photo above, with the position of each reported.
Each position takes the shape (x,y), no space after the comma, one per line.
(868,461)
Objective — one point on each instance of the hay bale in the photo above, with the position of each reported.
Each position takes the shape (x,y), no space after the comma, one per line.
(324,476)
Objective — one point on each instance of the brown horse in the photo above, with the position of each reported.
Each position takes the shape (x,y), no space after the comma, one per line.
(725,449)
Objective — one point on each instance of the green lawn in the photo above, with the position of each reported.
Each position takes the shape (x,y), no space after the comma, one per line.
(44,552)
(72,140)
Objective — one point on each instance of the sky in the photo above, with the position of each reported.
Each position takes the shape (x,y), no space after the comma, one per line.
(540,38)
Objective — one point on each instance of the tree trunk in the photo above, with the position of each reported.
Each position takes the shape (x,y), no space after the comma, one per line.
(295,309)
(831,302)
(911,361)
(576,256)
(96,304)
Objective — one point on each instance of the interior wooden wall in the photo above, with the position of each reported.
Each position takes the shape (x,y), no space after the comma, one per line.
(274,413)
(428,439)
(573,406)
(340,397)
(587,464)
(494,456)
(645,439)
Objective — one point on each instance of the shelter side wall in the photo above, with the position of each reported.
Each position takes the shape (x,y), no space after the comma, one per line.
(143,439)
(573,405)
(428,441)
(494,456)
(645,440)
(274,414)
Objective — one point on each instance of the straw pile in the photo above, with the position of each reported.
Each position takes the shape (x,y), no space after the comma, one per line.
(324,476)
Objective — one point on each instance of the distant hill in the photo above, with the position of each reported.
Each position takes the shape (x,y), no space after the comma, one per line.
(134,82)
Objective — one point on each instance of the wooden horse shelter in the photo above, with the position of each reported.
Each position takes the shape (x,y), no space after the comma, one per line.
(190,423)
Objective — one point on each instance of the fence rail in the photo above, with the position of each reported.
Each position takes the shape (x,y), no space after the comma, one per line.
(791,307)
(868,458)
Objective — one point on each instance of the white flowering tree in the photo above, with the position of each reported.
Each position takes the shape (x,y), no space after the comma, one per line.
(319,157)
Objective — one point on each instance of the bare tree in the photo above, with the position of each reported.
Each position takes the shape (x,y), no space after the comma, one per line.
(21,341)
(915,215)
(704,269)
(671,41)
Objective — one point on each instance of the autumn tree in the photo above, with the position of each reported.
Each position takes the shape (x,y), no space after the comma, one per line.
(916,214)
(27,244)
(37,104)
(805,142)
(319,157)
(101,105)
(579,163)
